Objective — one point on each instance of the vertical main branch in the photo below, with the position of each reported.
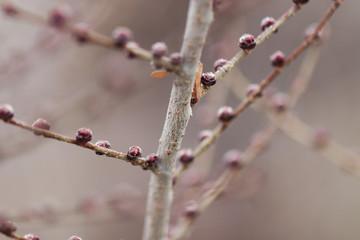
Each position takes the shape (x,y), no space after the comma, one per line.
(160,195)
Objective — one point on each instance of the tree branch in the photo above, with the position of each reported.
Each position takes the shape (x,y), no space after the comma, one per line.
(220,74)
(105,151)
(95,37)
(199,19)
(221,127)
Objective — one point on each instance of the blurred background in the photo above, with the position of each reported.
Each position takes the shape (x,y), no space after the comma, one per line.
(57,190)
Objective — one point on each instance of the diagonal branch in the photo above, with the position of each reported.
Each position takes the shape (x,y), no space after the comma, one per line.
(220,128)
(107,152)
(220,74)
(91,36)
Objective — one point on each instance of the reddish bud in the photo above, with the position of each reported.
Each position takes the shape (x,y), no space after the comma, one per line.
(234,158)
(9,9)
(104,144)
(159,49)
(225,113)
(247,42)
(267,22)
(204,134)
(134,152)
(300,1)
(31,237)
(81,32)
(186,156)
(6,112)
(280,102)
(7,227)
(217,3)
(151,160)
(121,35)
(75,238)
(84,135)
(252,89)
(208,79)
(175,58)
(219,63)
(59,16)
(277,59)
(42,124)
(191,209)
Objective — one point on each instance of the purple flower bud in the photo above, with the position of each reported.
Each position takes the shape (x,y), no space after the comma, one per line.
(104,144)
(247,42)
(225,113)
(6,112)
(42,124)
(84,135)
(234,158)
(277,59)
(134,152)
(121,35)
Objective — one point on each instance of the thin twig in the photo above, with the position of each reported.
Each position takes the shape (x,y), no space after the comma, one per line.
(97,38)
(220,74)
(107,152)
(220,128)
(185,226)
(252,97)
(16,236)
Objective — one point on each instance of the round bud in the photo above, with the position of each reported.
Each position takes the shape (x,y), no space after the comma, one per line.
(7,227)
(186,156)
(252,89)
(59,16)
(6,112)
(174,181)
(247,42)
(104,144)
(159,49)
(121,35)
(280,102)
(9,9)
(132,45)
(219,63)
(277,59)
(42,124)
(75,238)
(225,113)
(208,79)
(151,160)
(267,22)
(31,237)
(175,58)
(191,209)
(217,3)
(81,32)
(300,1)
(204,134)
(234,158)
(134,152)
(84,135)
